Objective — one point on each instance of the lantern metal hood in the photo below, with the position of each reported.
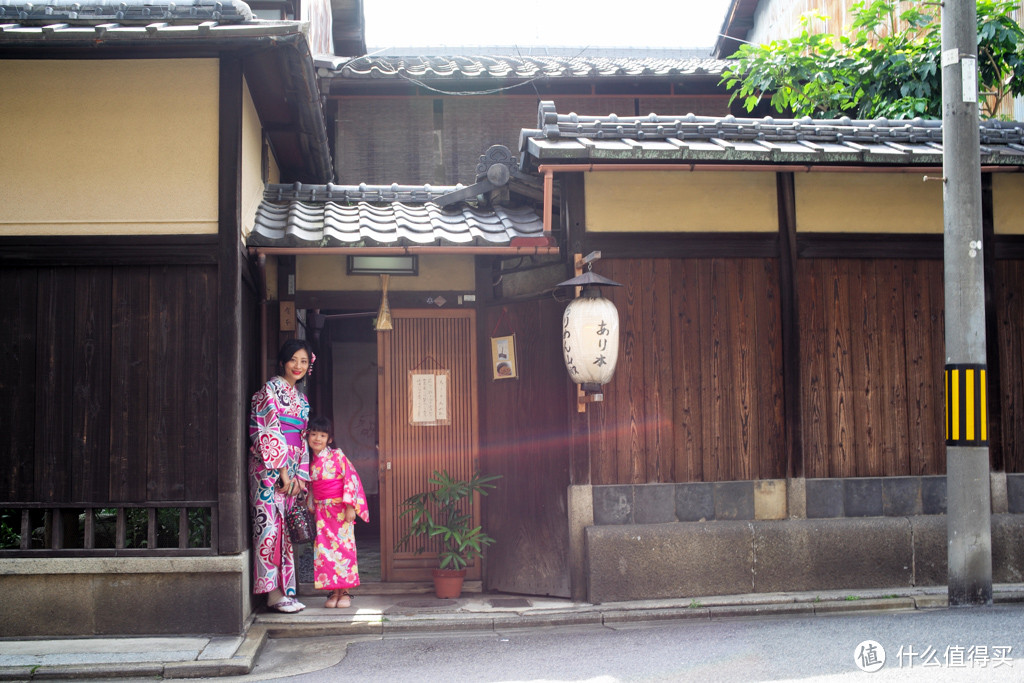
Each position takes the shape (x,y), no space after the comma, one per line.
(590,334)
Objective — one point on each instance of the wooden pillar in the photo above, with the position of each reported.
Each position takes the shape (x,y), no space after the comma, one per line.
(790,324)
(231,404)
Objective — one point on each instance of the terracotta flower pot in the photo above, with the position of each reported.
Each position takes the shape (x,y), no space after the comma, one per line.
(448,582)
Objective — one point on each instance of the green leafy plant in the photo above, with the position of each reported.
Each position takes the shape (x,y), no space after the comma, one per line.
(445,513)
(886,65)
(695,604)
(10,529)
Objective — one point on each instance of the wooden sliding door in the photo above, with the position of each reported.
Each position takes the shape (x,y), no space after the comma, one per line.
(428,420)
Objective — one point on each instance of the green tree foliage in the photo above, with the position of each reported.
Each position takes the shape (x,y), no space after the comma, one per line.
(887,66)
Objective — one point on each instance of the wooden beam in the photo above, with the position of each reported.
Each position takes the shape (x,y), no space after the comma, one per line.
(108,250)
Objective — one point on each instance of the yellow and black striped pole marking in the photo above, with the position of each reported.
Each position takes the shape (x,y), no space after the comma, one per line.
(966,405)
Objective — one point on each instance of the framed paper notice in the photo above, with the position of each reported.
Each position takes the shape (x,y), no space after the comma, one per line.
(503,357)
(428,398)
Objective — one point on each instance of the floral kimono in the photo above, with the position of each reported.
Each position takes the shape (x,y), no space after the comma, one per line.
(279,414)
(335,485)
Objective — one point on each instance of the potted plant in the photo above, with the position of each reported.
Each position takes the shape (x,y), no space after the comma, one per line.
(445,513)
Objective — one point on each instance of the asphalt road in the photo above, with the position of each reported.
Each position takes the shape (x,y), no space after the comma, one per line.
(962,644)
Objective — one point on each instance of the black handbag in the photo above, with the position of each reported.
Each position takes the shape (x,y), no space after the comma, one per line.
(301,522)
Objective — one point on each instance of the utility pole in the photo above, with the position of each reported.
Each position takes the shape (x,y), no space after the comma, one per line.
(968,495)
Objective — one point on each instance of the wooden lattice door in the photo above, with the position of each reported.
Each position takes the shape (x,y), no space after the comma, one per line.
(424,350)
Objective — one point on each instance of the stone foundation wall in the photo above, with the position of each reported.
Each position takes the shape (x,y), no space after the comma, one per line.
(54,597)
(685,559)
(697,539)
(797,498)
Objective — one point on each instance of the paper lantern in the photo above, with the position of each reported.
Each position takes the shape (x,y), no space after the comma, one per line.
(590,334)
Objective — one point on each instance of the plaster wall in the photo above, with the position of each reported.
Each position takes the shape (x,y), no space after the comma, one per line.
(868,202)
(315,273)
(681,201)
(109,147)
(1008,203)
(252,163)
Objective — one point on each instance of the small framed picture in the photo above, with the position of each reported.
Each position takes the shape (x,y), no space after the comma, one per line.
(503,357)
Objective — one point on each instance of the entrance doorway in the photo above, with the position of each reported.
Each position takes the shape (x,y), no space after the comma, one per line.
(347,392)
(428,418)
(367,392)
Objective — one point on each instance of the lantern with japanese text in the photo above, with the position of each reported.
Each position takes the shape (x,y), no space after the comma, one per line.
(590,333)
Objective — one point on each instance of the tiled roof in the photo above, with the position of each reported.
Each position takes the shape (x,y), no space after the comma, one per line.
(125,11)
(515,67)
(653,138)
(59,34)
(391,215)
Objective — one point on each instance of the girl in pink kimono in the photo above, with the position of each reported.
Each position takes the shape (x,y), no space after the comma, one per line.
(337,498)
(278,472)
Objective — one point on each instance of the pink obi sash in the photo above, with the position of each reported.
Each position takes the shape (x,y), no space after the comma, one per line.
(325,489)
(291,429)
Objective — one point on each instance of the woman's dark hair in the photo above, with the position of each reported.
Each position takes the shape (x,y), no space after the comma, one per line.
(319,423)
(289,348)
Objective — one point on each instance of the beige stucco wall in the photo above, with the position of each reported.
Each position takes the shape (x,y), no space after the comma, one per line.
(436,273)
(868,202)
(109,146)
(252,162)
(1008,203)
(681,201)
(727,201)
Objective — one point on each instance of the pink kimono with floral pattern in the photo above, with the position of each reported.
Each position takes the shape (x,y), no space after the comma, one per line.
(335,484)
(279,414)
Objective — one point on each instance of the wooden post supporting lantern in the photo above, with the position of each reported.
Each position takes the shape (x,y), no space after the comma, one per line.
(590,334)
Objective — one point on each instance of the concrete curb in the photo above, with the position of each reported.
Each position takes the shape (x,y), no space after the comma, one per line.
(399,622)
(240,663)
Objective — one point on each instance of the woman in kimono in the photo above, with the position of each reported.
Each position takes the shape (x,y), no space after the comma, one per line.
(337,498)
(278,472)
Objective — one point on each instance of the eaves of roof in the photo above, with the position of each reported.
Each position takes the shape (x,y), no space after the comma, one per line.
(739,19)
(389,217)
(67,35)
(274,54)
(571,138)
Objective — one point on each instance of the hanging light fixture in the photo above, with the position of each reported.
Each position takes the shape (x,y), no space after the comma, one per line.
(590,335)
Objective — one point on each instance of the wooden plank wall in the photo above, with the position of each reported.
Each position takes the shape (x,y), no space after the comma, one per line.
(523,439)
(871,339)
(18,311)
(109,389)
(1008,301)
(698,393)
